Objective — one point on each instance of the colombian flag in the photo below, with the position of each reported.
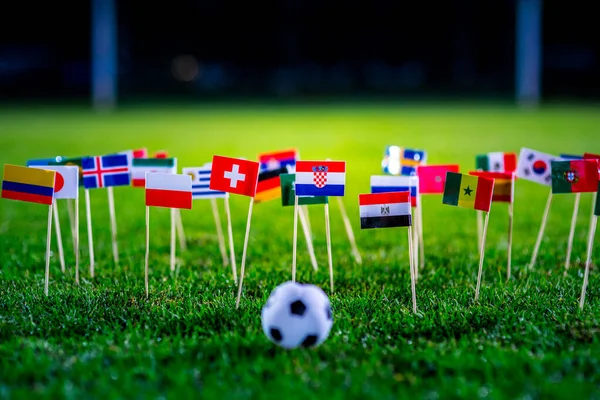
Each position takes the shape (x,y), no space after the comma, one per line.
(468,191)
(28,184)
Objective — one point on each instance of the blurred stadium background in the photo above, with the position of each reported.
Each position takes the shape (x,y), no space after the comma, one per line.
(208,49)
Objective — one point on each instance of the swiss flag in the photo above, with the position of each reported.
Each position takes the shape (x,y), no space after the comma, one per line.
(234,175)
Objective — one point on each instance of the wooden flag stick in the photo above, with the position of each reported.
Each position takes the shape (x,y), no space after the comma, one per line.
(572,232)
(88,214)
(415,244)
(307,219)
(421,246)
(220,237)
(243,267)
(71,222)
(540,236)
(309,243)
(180,231)
(146,259)
(479,228)
(61,253)
(230,234)
(413,267)
(329,251)
(594,196)
(113,223)
(588,260)
(173,246)
(295,239)
(510,240)
(481,255)
(349,231)
(76,240)
(48,241)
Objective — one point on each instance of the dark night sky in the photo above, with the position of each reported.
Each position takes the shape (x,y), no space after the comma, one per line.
(381,46)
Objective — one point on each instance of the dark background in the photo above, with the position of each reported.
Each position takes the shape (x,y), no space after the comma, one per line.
(294,48)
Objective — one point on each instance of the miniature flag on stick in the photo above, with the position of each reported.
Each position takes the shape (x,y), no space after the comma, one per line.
(472,192)
(496,162)
(140,166)
(268,187)
(318,178)
(402,161)
(166,190)
(590,156)
(278,159)
(390,210)
(104,172)
(35,186)
(534,166)
(234,175)
(201,191)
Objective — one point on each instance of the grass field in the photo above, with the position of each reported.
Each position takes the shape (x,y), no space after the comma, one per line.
(524,339)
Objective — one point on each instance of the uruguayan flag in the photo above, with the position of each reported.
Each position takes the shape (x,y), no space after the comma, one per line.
(201,181)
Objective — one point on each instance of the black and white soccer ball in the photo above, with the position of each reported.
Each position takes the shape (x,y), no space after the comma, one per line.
(297,315)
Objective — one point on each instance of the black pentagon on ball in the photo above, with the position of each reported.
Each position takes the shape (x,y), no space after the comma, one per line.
(328,312)
(309,341)
(276,334)
(297,308)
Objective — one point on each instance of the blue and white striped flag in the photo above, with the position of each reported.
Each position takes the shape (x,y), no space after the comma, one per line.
(201,181)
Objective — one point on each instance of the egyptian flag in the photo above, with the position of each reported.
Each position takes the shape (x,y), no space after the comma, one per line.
(269,185)
(574,176)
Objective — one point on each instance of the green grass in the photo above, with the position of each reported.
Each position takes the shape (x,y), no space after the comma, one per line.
(524,339)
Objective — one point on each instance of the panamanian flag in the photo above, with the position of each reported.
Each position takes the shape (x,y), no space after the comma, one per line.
(105,171)
(320,178)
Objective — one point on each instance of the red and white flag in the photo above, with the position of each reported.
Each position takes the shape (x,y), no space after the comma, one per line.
(168,190)
(234,175)
(66,183)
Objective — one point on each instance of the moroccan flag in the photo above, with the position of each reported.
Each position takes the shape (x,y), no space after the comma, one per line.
(139,167)
(288,193)
(268,185)
(33,185)
(168,190)
(432,178)
(384,210)
(574,176)
(468,191)
(503,185)
(496,162)
(234,175)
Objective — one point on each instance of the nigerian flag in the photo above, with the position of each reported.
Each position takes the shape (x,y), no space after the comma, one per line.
(468,191)
(288,193)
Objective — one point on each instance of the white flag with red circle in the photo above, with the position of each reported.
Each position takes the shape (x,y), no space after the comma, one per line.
(66,183)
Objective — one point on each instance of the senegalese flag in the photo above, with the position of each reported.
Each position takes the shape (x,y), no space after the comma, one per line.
(468,191)
(288,194)
(76,161)
(574,176)
(503,185)
(268,186)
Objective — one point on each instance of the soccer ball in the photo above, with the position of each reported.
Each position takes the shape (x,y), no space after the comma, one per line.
(297,315)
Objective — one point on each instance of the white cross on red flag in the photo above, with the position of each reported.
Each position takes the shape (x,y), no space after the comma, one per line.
(234,175)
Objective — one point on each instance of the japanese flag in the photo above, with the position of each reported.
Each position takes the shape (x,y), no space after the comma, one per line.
(66,184)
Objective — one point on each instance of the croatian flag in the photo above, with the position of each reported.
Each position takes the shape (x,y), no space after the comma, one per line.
(105,171)
(387,183)
(201,182)
(320,178)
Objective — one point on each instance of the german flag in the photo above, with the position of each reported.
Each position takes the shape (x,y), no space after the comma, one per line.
(269,186)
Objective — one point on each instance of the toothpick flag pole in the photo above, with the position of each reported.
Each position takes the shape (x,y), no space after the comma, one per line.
(349,231)
(147,249)
(295,239)
(594,199)
(113,223)
(173,233)
(479,228)
(572,232)
(88,214)
(61,253)
(415,245)
(243,267)
(307,218)
(230,234)
(329,252)
(76,235)
(309,243)
(481,255)
(413,268)
(180,231)
(540,235)
(510,239)
(71,222)
(220,237)
(588,260)
(48,241)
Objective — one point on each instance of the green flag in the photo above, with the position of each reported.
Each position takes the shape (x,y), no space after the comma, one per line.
(288,193)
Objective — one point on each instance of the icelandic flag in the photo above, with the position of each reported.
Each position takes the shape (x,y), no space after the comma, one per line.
(387,183)
(320,178)
(201,181)
(105,171)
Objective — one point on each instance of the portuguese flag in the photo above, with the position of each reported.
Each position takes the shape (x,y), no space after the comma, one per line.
(503,185)
(574,176)
(468,191)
